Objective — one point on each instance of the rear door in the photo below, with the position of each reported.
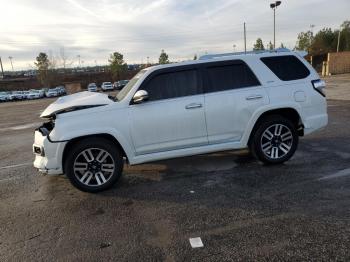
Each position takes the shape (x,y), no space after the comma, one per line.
(232,95)
(173,117)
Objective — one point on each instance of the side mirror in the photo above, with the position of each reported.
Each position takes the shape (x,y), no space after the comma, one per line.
(140,96)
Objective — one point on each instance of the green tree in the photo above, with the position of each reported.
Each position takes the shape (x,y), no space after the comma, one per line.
(195,57)
(282,45)
(344,41)
(304,41)
(324,41)
(163,58)
(117,65)
(258,45)
(43,64)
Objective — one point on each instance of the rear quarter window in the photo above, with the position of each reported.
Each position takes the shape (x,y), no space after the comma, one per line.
(287,67)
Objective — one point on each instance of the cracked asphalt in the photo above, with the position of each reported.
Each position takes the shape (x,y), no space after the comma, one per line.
(241,209)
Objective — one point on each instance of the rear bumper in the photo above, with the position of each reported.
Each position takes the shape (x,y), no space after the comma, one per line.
(316,122)
(49,159)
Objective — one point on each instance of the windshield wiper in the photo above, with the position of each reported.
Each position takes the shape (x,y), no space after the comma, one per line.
(114,99)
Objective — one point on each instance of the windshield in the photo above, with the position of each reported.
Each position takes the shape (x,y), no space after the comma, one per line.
(129,86)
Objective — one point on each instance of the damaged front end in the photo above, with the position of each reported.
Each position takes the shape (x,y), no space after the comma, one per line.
(46,128)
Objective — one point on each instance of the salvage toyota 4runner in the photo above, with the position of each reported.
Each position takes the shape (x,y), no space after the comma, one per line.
(261,101)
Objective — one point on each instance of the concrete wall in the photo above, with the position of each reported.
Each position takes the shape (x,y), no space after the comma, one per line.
(338,63)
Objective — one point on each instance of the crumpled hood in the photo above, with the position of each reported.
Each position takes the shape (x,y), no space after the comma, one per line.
(76,101)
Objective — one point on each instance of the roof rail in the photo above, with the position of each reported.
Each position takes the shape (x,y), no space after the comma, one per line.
(211,56)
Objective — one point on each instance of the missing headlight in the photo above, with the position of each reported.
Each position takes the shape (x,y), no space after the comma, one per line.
(46,128)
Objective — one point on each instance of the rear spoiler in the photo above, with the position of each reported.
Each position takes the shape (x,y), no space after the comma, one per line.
(301,53)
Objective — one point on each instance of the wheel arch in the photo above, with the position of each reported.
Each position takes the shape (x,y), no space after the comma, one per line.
(287,112)
(75,140)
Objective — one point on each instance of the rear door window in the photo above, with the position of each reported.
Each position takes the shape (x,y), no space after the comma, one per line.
(229,76)
(287,67)
(173,84)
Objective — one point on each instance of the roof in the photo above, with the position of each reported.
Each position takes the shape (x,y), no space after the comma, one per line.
(228,56)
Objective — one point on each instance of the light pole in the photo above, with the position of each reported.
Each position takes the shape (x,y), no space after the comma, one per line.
(10,57)
(338,39)
(79,59)
(274,7)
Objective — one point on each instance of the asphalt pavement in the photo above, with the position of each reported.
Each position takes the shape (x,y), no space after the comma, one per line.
(240,209)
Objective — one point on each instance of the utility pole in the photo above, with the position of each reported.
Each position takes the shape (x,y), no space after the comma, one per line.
(274,6)
(2,69)
(10,57)
(338,39)
(245,39)
(79,59)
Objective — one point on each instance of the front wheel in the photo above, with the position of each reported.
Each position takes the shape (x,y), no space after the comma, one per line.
(94,164)
(275,140)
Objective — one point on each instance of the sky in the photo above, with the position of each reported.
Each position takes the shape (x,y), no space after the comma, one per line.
(142,28)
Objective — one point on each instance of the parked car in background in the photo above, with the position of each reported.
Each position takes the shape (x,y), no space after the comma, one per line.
(4,97)
(60,90)
(31,94)
(107,86)
(25,94)
(92,87)
(36,93)
(120,84)
(18,95)
(51,92)
(11,96)
(41,92)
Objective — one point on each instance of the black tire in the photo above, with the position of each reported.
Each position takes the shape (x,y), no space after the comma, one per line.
(259,141)
(76,157)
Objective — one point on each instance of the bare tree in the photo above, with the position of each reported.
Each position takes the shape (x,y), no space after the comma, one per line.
(65,62)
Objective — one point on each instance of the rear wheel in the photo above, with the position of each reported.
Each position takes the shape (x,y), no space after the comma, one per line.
(275,140)
(94,164)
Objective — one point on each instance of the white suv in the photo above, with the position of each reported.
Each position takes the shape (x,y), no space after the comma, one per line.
(107,86)
(262,101)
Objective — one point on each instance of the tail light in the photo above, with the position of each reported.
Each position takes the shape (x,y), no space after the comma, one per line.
(319,85)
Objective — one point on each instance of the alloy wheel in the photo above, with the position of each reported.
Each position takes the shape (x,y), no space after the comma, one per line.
(276,141)
(94,166)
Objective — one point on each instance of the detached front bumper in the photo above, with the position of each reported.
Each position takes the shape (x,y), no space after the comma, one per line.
(48,154)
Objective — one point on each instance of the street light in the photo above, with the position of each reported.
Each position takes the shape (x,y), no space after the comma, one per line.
(274,7)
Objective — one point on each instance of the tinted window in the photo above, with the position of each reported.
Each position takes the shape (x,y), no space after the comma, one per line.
(228,77)
(286,68)
(171,85)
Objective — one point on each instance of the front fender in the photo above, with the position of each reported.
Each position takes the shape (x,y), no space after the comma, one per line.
(69,128)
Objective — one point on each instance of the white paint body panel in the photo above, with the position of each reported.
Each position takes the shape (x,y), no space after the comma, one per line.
(166,129)
(165,125)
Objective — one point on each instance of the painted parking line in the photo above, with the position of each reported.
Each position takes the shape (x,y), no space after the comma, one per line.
(9,179)
(20,127)
(341,173)
(13,166)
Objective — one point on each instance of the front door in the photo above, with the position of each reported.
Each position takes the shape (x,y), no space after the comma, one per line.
(173,117)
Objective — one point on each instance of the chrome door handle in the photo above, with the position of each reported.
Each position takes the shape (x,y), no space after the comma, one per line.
(193,105)
(253,97)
